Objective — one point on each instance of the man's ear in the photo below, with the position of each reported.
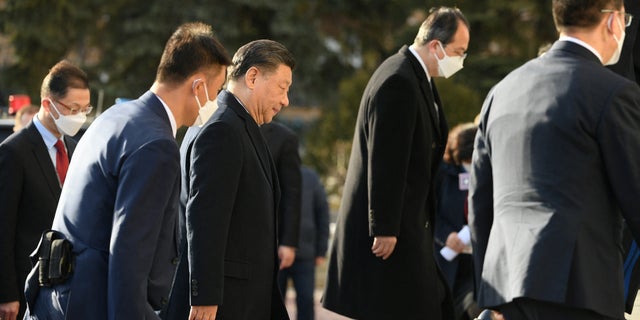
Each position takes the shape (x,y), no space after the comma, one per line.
(195,80)
(433,47)
(250,77)
(46,104)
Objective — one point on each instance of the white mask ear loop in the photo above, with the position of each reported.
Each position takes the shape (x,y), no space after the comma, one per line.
(51,104)
(193,87)
(610,23)
(206,92)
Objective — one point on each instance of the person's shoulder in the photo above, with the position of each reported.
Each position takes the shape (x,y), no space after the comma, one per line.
(18,139)
(224,127)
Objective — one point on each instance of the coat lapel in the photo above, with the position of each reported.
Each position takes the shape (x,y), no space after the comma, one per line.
(257,140)
(428,92)
(41,155)
(442,127)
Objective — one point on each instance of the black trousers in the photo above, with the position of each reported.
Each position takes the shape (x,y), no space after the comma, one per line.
(530,309)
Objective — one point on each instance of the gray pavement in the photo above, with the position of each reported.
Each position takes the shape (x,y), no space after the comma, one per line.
(324,314)
(321,313)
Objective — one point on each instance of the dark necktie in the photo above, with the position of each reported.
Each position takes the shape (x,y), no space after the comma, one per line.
(62,161)
(435,100)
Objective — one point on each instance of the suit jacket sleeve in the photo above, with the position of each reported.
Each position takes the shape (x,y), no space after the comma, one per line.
(321,215)
(443,226)
(619,129)
(391,121)
(11,177)
(216,164)
(288,163)
(142,199)
(480,202)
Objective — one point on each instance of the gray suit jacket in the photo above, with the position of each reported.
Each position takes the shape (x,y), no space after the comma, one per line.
(119,208)
(555,166)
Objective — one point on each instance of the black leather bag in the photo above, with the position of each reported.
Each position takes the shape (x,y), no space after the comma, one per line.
(54,257)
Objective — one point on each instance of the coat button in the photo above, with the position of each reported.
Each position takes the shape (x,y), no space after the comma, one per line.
(433,145)
(175,261)
(194,293)
(163,301)
(194,281)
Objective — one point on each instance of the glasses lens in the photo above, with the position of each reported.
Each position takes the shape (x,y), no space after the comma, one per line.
(87,110)
(627,19)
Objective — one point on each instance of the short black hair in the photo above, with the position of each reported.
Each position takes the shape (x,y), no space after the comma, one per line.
(581,13)
(441,24)
(264,54)
(62,76)
(193,47)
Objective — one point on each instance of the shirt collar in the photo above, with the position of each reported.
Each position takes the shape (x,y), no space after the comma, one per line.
(47,136)
(172,119)
(424,67)
(240,102)
(582,43)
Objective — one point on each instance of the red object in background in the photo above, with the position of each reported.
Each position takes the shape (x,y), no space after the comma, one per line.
(17,101)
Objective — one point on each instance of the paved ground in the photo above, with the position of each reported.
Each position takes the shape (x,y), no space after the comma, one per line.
(323,314)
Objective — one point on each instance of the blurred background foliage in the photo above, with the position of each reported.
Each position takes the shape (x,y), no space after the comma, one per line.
(337,43)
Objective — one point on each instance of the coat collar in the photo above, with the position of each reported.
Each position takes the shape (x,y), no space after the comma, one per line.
(429,92)
(567,47)
(153,103)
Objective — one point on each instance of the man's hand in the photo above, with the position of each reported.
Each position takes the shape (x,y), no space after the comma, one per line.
(287,255)
(383,246)
(454,242)
(203,312)
(9,310)
(320,260)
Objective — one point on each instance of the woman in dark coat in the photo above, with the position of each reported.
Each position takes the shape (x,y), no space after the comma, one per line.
(451,192)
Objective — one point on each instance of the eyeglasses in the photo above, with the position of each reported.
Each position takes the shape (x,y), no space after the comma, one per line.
(458,52)
(627,17)
(86,110)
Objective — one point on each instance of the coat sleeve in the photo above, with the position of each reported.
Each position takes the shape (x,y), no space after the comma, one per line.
(288,167)
(392,114)
(618,135)
(12,178)
(214,177)
(146,184)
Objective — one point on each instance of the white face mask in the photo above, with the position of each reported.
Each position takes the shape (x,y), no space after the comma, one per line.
(69,124)
(448,65)
(205,112)
(616,55)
